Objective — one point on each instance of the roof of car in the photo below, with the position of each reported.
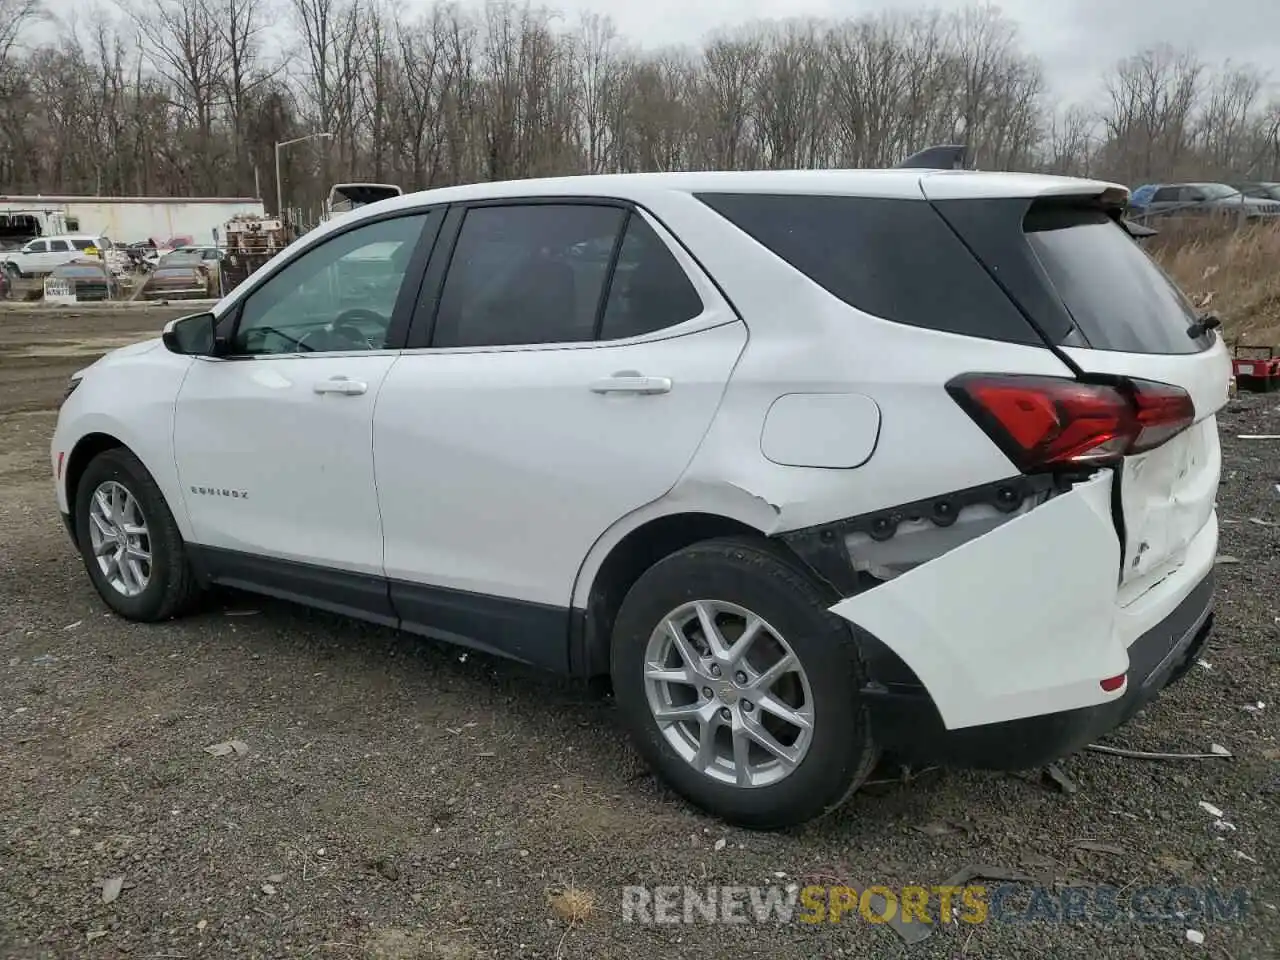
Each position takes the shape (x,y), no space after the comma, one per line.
(904,184)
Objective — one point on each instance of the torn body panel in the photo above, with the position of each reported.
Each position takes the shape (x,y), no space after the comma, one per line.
(853,553)
(1014,623)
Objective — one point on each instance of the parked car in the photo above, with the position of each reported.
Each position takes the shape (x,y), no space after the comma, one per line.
(85,279)
(794,473)
(1197,199)
(208,254)
(1260,191)
(180,275)
(38,257)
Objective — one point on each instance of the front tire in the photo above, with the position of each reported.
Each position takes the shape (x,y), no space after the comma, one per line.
(129,541)
(738,688)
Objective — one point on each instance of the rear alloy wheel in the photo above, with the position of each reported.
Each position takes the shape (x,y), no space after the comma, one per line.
(129,541)
(728,693)
(739,688)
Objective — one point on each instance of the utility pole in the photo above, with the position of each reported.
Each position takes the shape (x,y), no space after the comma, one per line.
(279,187)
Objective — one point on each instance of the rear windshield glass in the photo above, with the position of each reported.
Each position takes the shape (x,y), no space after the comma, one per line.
(894,259)
(1116,294)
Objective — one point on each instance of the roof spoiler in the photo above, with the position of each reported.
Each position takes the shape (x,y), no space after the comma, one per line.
(952,156)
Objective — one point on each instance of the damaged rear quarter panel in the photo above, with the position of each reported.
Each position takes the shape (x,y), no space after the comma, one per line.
(1015,623)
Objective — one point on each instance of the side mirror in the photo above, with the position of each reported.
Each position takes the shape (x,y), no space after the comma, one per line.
(192,336)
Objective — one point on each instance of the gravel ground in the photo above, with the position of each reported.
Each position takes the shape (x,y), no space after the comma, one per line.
(398,799)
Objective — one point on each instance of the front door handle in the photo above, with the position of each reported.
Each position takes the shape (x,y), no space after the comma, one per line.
(629,382)
(343,386)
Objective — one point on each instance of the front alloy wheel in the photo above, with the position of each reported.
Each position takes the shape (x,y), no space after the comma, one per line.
(120,539)
(129,541)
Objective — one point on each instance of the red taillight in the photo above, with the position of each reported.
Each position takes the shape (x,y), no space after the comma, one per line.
(1050,423)
(1112,684)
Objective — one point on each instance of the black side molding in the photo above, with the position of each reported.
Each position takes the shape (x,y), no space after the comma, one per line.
(531,633)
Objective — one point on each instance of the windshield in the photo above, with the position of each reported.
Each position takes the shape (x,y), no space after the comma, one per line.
(1217,191)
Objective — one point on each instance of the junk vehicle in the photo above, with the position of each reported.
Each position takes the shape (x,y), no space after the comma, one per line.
(345,197)
(834,489)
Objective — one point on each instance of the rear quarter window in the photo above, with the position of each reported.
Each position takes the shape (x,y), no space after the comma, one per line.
(892,258)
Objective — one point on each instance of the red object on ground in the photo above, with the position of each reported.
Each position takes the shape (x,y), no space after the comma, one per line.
(1260,372)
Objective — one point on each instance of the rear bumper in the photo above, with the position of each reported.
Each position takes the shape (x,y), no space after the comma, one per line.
(907,724)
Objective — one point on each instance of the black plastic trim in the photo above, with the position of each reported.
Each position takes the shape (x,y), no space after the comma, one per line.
(407,299)
(992,231)
(531,633)
(422,324)
(363,596)
(536,634)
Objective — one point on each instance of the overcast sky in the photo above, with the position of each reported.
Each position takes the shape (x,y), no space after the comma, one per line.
(1076,39)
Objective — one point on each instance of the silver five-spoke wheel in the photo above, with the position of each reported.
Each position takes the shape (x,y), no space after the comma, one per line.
(120,538)
(729,694)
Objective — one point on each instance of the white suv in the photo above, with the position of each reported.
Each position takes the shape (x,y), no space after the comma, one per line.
(39,257)
(812,465)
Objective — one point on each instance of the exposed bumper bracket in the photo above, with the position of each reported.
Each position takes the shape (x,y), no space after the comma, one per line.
(822,546)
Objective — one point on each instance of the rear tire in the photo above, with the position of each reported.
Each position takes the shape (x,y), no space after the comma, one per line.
(742,586)
(129,541)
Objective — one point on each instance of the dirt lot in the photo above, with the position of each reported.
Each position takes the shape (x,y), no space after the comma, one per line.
(401,800)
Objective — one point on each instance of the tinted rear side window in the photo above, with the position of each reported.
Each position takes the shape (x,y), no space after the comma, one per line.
(894,259)
(649,290)
(1117,296)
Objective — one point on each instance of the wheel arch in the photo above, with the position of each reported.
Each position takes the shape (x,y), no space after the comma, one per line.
(81,455)
(638,541)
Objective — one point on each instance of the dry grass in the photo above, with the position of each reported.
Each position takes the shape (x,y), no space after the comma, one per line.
(572,906)
(1233,271)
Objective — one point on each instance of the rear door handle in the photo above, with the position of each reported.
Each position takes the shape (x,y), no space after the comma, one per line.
(632,383)
(343,386)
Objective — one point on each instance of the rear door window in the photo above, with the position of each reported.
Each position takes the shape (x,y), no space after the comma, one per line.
(649,290)
(524,274)
(1117,295)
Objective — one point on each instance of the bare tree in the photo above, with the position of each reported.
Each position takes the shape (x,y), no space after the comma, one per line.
(188,96)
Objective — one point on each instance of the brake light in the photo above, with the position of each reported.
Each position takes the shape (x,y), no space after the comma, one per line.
(1052,423)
